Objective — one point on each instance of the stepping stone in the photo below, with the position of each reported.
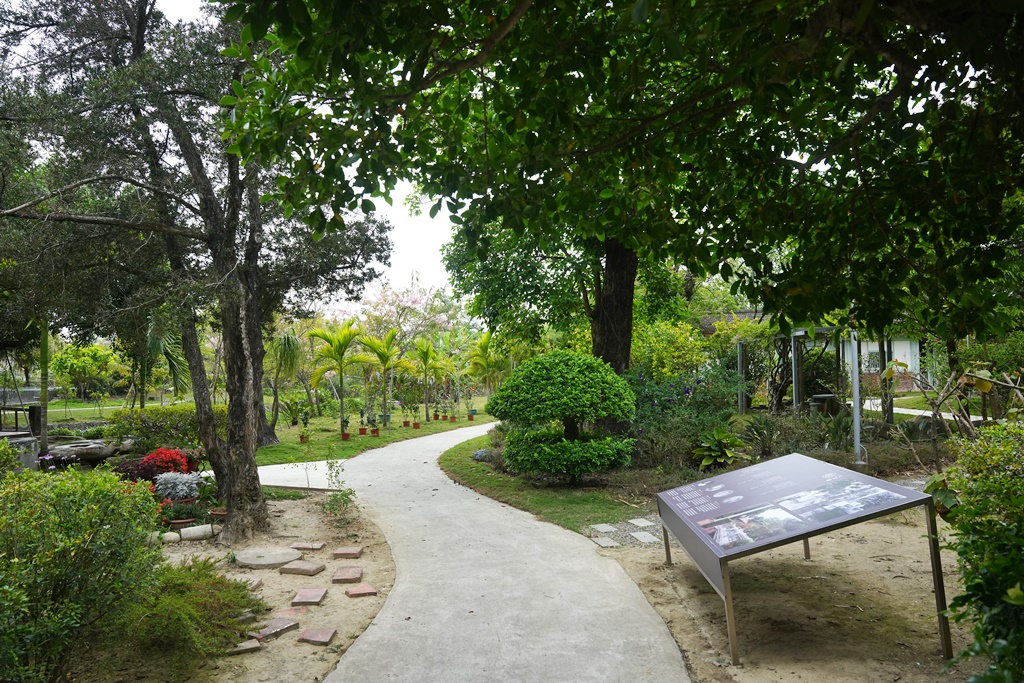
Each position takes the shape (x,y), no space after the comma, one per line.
(291,613)
(605,542)
(246,617)
(245,648)
(303,568)
(266,558)
(645,537)
(641,522)
(197,533)
(318,545)
(317,636)
(603,528)
(274,628)
(348,575)
(349,553)
(309,596)
(360,590)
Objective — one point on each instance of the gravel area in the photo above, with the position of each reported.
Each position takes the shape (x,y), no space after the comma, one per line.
(621,534)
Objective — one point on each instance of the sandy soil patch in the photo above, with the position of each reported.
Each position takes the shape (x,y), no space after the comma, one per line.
(284,658)
(862,609)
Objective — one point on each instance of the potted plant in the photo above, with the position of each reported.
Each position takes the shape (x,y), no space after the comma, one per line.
(179,487)
(470,410)
(344,428)
(372,422)
(218,514)
(304,432)
(181,515)
(362,422)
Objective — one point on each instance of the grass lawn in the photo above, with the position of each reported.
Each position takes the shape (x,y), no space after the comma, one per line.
(624,495)
(325,440)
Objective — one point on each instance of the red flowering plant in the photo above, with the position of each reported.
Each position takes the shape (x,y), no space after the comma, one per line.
(159,461)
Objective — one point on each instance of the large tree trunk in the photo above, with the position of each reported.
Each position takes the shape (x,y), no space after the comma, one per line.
(611,321)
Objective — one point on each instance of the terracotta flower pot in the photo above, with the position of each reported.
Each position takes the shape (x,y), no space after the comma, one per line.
(362,431)
(185,501)
(437,416)
(470,417)
(374,432)
(176,524)
(405,423)
(415,425)
(452,418)
(218,514)
(303,438)
(345,436)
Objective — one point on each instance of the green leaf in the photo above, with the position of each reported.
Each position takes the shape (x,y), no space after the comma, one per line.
(607,193)
(640,12)
(228,101)
(367,206)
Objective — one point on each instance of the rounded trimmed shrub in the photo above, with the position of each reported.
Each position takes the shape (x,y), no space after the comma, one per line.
(563,386)
(548,452)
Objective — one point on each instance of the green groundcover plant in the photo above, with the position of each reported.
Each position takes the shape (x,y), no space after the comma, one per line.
(72,550)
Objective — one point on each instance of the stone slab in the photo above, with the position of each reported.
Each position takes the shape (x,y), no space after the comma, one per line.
(645,537)
(274,628)
(360,590)
(197,533)
(317,636)
(266,558)
(309,596)
(317,545)
(171,537)
(348,575)
(244,648)
(603,528)
(247,617)
(291,613)
(641,522)
(348,553)
(302,568)
(605,542)
(254,582)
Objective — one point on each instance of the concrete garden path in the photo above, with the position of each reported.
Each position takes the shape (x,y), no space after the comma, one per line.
(484,592)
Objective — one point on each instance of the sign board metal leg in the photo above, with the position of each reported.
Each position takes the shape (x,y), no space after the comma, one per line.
(668,550)
(730,616)
(940,589)
(807,549)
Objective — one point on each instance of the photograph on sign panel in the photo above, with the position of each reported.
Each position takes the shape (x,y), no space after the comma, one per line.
(840,497)
(751,526)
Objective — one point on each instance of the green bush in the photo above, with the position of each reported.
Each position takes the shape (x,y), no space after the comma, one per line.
(9,458)
(550,453)
(988,515)
(191,614)
(72,549)
(175,425)
(562,386)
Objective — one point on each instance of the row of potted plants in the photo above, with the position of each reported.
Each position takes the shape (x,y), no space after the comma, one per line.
(374,430)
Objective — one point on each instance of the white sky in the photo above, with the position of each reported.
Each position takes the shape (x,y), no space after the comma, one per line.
(416,240)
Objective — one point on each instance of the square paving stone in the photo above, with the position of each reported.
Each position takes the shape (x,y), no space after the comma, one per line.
(302,568)
(317,636)
(605,542)
(603,528)
(645,537)
(309,596)
(274,628)
(641,522)
(348,575)
(348,553)
(316,545)
(291,613)
(360,590)
(253,582)
(245,648)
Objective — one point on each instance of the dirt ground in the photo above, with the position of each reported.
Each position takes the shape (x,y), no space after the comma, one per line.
(862,609)
(284,658)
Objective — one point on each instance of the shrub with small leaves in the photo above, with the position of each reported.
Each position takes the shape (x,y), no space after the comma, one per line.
(9,460)
(550,453)
(172,425)
(987,515)
(72,550)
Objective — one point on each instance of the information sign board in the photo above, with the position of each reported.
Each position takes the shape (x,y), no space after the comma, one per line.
(773,503)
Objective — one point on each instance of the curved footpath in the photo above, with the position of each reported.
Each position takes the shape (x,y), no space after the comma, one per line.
(484,592)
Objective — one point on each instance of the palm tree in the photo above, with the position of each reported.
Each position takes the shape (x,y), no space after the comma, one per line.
(336,354)
(286,350)
(486,364)
(428,364)
(385,354)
